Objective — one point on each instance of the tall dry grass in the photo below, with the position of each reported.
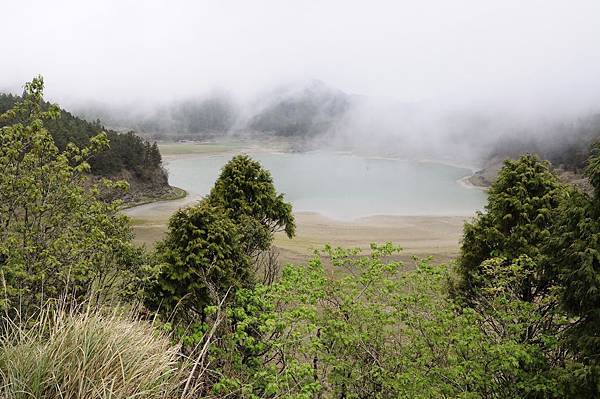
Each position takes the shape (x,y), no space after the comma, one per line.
(88,355)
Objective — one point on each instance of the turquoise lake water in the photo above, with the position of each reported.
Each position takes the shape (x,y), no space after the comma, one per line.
(346,186)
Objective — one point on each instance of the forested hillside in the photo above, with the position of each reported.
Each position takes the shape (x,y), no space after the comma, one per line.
(128,156)
(304,112)
(566,145)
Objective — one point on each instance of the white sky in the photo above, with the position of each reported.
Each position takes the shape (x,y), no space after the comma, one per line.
(122,51)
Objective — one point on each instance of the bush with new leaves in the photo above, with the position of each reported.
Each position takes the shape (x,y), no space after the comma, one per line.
(57,238)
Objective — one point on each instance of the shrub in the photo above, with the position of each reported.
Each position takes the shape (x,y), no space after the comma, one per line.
(57,236)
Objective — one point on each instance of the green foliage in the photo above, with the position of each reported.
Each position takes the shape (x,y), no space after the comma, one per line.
(201,258)
(521,320)
(209,246)
(56,237)
(535,327)
(518,220)
(353,326)
(126,152)
(575,250)
(506,275)
(246,191)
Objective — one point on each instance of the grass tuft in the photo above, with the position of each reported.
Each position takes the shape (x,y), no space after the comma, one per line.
(87,356)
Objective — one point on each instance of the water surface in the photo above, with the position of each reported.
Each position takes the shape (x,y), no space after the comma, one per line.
(346,186)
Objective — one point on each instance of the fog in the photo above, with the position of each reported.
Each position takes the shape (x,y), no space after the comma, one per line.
(128,51)
(416,67)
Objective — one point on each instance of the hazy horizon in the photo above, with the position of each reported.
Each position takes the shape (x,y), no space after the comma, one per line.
(538,55)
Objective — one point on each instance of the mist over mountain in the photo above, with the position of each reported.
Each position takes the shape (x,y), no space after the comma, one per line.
(465,134)
(311,115)
(420,79)
(317,115)
(200,116)
(304,109)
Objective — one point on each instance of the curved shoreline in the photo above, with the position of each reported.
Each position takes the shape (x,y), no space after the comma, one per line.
(176,194)
(468,184)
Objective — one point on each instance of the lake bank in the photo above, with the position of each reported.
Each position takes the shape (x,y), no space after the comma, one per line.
(435,232)
(420,236)
(174,194)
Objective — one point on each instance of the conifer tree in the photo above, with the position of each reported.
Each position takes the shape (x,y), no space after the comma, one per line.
(575,252)
(517,222)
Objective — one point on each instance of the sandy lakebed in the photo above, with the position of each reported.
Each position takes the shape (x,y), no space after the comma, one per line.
(420,236)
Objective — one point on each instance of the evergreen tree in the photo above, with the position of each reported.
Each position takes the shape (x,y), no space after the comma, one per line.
(246,191)
(505,276)
(575,251)
(199,261)
(517,222)
(208,247)
(155,157)
(147,150)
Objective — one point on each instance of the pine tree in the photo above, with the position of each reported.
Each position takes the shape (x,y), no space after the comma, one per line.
(147,154)
(155,157)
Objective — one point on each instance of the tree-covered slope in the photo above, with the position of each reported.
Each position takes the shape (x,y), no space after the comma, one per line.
(128,156)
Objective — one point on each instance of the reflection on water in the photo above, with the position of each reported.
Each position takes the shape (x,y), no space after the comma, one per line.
(346,186)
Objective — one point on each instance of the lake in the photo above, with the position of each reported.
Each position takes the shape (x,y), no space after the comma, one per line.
(346,186)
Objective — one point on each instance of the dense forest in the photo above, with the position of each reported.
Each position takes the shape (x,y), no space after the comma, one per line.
(127,156)
(210,313)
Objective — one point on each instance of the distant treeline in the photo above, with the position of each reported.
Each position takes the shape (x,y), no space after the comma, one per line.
(128,152)
(565,144)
